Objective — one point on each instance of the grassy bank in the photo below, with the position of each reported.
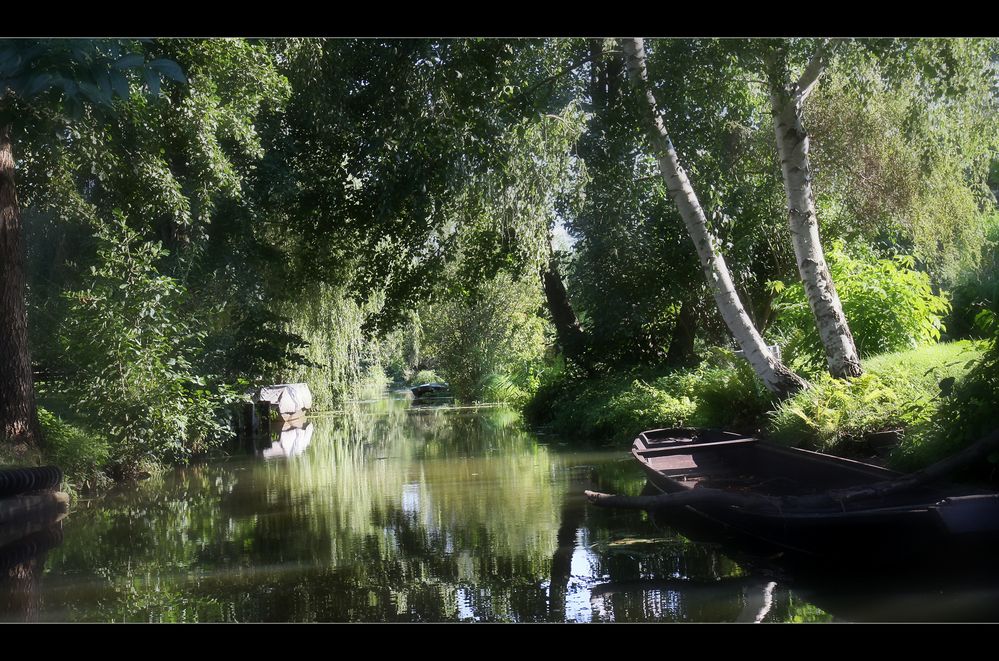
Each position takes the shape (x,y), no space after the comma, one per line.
(899,391)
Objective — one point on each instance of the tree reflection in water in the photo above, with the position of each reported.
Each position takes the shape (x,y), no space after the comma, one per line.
(394,513)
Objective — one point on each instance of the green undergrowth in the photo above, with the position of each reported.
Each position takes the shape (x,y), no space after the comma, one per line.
(81,454)
(899,391)
(966,413)
(615,407)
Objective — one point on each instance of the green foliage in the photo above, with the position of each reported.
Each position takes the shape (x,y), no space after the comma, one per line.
(902,137)
(897,392)
(80,453)
(490,343)
(130,348)
(634,265)
(729,394)
(341,360)
(722,393)
(70,73)
(613,408)
(315,194)
(889,306)
(977,290)
(967,411)
(424,376)
(399,351)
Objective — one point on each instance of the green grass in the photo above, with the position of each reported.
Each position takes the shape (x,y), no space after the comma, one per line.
(927,365)
(81,454)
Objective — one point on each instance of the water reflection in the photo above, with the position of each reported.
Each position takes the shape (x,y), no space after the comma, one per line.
(389,512)
(288,438)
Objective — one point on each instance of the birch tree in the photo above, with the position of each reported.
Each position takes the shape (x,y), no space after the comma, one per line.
(777,377)
(787,98)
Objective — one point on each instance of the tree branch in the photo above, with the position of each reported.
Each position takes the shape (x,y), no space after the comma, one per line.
(525,93)
(814,69)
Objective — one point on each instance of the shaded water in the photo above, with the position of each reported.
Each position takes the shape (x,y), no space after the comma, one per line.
(389,513)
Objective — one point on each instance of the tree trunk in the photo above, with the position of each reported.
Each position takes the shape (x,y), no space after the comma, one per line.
(777,377)
(681,345)
(792,147)
(567,327)
(18,417)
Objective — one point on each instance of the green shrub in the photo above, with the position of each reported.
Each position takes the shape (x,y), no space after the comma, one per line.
(967,410)
(728,394)
(610,408)
(897,392)
(617,407)
(131,346)
(835,413)
(889,305)
(80,453)
(494,331)
(500,387)
(979,289)
(424,376)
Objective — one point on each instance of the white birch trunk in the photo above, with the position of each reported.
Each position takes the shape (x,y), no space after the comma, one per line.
(778,378)
(792,147)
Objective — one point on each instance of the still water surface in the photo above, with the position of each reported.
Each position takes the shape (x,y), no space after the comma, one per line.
(394,513)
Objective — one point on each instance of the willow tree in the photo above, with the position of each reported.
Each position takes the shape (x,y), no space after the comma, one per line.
(777,377)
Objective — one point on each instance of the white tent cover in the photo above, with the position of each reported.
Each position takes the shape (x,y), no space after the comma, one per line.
(286,397)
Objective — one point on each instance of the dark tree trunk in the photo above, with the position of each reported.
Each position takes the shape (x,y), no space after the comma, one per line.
(567,328)
(681,346)
(597,74)
(18,417)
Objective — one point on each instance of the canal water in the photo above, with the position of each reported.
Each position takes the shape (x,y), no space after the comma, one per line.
(389,512)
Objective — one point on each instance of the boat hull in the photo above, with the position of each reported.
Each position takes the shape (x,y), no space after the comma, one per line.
(917,526)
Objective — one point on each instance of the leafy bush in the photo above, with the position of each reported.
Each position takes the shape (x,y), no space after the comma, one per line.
(79,453)
(424,376)
(889,306)
(979,289)
(898,391)
(834,413)
(499,387)
(725,393)
(729,394)
(618,408)
(130,345)
(495,331)
(967,411)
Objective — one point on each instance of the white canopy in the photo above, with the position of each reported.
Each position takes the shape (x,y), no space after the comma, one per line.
(286,397)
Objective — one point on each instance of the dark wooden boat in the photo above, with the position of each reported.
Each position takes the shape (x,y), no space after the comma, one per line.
(771,498)
(427,390)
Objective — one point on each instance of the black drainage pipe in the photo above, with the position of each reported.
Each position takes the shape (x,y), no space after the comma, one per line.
(22,480)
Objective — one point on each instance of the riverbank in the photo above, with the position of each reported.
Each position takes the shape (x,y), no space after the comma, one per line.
(898,393)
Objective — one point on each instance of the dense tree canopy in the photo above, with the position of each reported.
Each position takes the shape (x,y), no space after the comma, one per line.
(350,211)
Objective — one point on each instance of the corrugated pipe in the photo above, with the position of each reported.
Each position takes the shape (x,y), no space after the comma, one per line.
(21,480)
